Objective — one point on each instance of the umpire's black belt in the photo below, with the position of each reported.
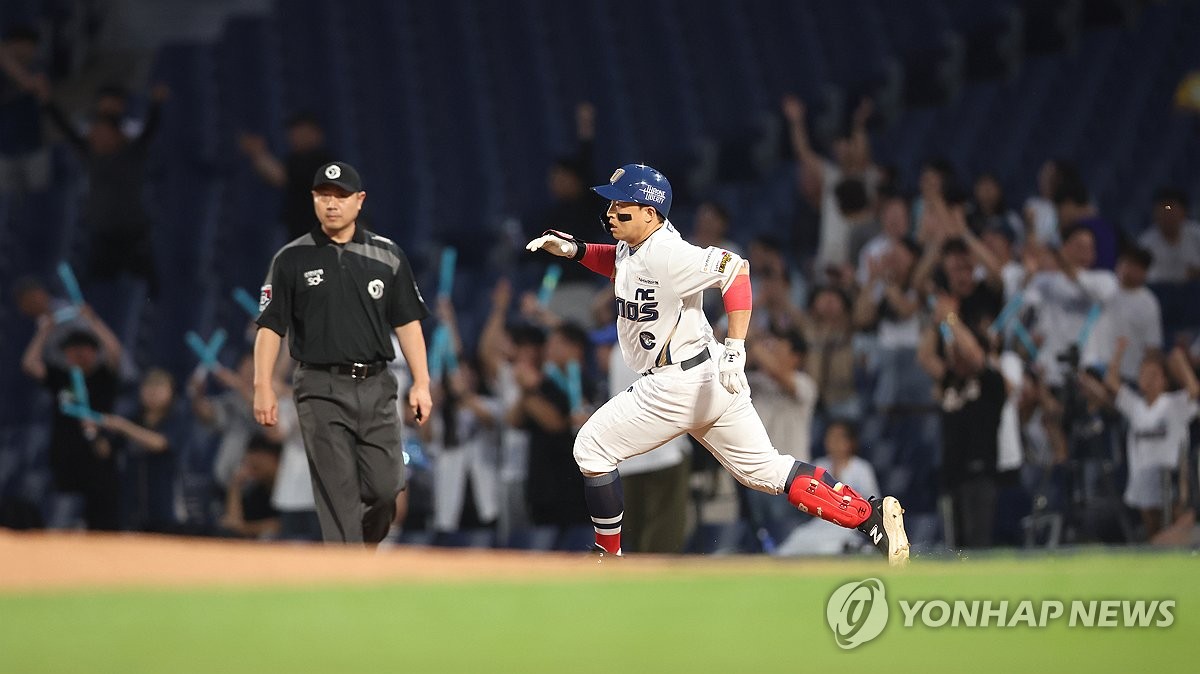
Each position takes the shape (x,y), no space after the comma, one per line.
(687,364)
(354,370)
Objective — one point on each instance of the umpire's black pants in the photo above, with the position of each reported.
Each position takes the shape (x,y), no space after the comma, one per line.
(351,433)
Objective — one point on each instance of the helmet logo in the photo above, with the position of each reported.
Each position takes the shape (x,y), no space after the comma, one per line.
(652,193)
(616,176)
(333,172)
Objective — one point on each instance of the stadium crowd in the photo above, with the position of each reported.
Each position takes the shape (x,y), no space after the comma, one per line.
(999,361)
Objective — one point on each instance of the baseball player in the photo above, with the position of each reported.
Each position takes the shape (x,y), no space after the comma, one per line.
(689,383)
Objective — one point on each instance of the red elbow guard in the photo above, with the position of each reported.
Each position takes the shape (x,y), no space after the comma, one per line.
(600,258)
(739,296)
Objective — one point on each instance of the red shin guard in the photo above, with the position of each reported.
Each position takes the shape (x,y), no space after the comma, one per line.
(838,504)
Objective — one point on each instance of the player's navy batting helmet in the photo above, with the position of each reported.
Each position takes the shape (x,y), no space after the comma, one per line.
(640,184)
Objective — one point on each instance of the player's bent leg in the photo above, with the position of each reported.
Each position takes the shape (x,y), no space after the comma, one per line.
(628,425)
(606,506)
(814,491)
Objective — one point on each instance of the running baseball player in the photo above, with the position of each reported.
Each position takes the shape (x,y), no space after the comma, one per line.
(690,384)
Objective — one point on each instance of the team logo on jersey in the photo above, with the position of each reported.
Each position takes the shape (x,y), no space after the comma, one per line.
(333,172)
(646,339)
(643,308)
(375,289)
(264,297)
(616,176)
(314,277)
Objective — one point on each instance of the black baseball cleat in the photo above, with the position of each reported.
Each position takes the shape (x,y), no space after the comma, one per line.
(885,528)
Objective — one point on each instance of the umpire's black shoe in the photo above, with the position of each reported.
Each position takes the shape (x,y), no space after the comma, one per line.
(885,528)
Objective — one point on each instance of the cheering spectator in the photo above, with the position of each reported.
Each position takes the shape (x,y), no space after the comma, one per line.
(827,329)
(1064,298)
(785,397)
(893,219)
(820,177)
(229,413)
(464,442)
(1158,428)
(1041,216)
(78,463)
(1131,313)
(114,210)
(988,210)
(972,394)
(1173,241)
(554,487)
(35,302)
(888,304)
(937,187)
(294,174)
(1000,242)
(148,443)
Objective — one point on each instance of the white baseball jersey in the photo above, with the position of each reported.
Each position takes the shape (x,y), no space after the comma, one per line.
(659,289)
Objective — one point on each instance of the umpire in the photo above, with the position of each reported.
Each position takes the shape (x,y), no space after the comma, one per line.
(337,292)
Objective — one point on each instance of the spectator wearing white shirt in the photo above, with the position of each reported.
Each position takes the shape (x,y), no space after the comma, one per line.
(1132,313)
(889,304)
(1174,240)
(893,218)
(1041,216)
(1158,428)
(820,176)
(1063,299)
(785,397)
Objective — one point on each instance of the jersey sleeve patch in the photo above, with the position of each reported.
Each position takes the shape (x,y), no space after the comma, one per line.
(264,297)
(716,261)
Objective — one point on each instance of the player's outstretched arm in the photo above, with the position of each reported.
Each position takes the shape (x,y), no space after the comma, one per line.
(599,257)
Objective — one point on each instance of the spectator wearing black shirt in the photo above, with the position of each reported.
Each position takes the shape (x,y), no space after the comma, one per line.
(971,393)
(114,210)
(78,463)
(554,486)
(147,445)
(293,174)
(248,509)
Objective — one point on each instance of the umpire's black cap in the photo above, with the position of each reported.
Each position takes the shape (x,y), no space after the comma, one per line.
(338,173)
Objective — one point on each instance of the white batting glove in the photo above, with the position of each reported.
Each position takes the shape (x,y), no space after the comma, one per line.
(556,243)
(732,367)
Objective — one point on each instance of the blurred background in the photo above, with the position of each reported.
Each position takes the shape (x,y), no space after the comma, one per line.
(1031,167)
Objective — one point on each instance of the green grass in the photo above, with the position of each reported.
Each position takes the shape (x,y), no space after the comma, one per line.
(685,621)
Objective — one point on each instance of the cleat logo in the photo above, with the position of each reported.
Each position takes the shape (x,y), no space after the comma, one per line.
(876,535)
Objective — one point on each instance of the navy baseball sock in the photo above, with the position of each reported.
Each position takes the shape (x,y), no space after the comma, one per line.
(606,505)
